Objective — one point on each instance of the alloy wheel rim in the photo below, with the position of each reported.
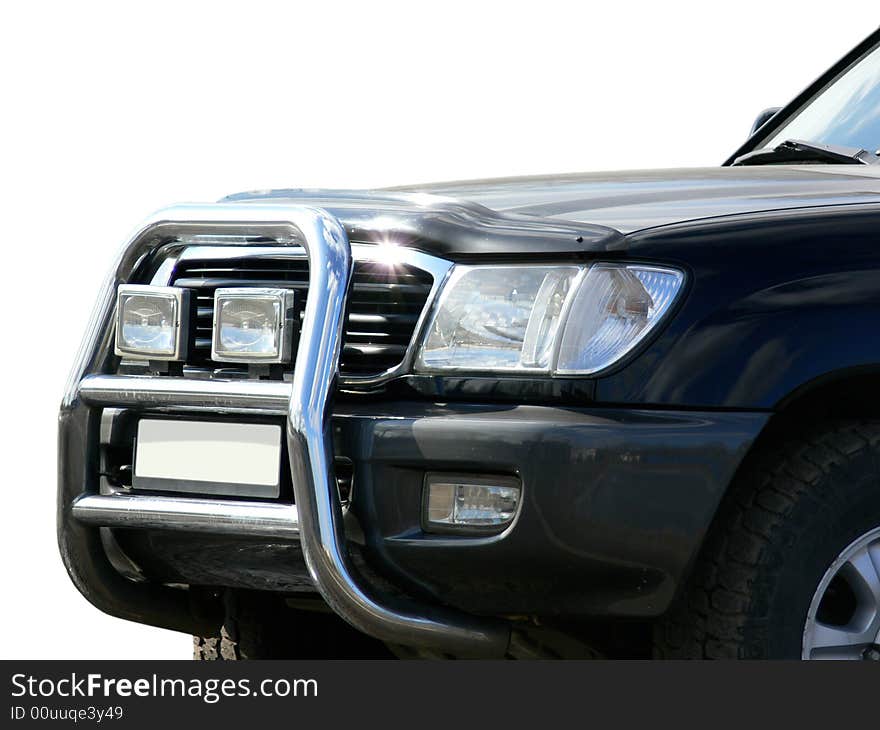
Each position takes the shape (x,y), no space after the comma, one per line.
(843,621)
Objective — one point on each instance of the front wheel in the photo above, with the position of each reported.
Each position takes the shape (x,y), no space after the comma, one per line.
(791,567)
(262,626)
(843,621)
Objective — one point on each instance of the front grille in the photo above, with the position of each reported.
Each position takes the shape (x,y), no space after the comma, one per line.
(383,308)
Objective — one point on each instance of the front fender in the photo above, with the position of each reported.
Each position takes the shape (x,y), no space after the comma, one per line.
(775,302)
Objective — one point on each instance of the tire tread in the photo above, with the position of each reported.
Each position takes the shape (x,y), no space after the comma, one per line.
(723,611)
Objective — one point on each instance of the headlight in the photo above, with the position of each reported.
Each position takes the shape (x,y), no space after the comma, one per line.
(149,324)
(252,325)
(565,320)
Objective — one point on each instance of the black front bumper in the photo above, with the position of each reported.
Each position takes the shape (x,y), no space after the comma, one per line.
(615,506)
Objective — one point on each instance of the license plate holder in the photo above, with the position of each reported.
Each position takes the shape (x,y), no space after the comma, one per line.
(208,457)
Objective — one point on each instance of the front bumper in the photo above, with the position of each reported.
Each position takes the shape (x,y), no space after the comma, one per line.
(615,502)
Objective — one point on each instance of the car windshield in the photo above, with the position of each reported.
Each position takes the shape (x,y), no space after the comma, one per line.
(847,112)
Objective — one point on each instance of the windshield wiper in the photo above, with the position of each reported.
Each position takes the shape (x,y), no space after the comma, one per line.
(797,150)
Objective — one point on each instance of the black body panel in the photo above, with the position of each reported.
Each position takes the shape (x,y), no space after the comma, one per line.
(778,301)
(544,215)
(634,200)
(783,280)
(616,504)
(454,229)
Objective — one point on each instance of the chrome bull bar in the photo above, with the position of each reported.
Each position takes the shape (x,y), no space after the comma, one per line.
(318,512)
(188,514)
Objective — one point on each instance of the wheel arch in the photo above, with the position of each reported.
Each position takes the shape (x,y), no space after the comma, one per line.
(846,393)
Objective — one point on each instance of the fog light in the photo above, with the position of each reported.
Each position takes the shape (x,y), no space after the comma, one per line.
(151,324)
(252,325)
(460,503)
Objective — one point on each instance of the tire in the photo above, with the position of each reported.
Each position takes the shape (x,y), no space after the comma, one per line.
(251,629)
(217,648)
(788,516)
(531,643)
(261,626)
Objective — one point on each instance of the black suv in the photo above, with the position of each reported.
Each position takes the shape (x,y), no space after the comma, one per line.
(570,416)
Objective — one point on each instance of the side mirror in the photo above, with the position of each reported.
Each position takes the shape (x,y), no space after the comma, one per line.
(763,118)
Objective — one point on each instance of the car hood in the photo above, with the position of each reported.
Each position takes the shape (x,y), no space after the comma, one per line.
(633,200)
(581,214)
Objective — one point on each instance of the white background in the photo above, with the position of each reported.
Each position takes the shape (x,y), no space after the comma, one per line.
(111,110)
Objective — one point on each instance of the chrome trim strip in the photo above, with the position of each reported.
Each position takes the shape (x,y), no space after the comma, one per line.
(226,517)
(264,397)
(381,252)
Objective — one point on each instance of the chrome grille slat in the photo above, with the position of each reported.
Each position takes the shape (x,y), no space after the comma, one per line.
(216,282)
(385,305)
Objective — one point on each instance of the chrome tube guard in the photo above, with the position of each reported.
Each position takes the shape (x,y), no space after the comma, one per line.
(318,509)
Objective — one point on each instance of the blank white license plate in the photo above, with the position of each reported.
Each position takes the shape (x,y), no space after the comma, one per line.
(235,459)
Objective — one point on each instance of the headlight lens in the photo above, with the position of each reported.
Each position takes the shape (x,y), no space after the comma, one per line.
(613,310)
(149,322)
(251,325)
(565,320)
(497,318)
